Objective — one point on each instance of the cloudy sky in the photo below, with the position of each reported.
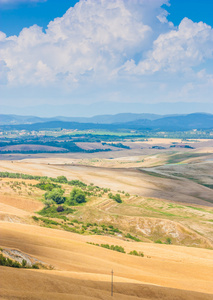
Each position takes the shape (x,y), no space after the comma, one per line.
(88,51)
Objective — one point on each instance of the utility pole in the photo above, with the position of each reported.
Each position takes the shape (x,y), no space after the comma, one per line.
(112,284)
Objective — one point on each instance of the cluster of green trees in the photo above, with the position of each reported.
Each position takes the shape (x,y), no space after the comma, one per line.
(50,183)
(7,262)
(129,236)
(116,197)
(110,247)
(56,195)
(118,249)
(118,145)
(47,185)
(136,253)
(43,179)
(20,175)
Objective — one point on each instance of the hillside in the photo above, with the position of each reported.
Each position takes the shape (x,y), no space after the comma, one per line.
(172,123)
(101,119)
(158,240)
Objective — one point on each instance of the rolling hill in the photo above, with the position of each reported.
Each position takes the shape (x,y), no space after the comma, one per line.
(198,121)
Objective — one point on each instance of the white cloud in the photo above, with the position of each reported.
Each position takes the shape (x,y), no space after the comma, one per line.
(179,50)
(126,43)
(91,39)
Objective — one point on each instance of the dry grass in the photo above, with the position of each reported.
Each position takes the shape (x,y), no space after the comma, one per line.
(82,271)
(169,266)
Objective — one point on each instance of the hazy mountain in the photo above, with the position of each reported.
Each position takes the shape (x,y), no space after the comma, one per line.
(108,108)
(175,123)
(171,123)
(14,119)
(102,119)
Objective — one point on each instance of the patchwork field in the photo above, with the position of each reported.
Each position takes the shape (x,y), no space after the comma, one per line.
(165,220)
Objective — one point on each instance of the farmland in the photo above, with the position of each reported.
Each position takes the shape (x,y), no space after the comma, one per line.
(165,213)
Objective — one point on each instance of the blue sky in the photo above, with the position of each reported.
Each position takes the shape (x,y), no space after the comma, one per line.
(64,52)
(15,16)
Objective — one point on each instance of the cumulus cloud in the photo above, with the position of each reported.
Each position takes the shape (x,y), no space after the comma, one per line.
(178,50)
(92,39)
(124,42)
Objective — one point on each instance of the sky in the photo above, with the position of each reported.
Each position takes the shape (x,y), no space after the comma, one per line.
(69,52)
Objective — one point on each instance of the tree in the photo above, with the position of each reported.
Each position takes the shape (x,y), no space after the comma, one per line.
(117,198)
(60,208)
(56,195)
(77,196)
(168,241)
(62,179)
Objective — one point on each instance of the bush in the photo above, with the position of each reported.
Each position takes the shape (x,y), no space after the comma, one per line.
(7,262)
(113,247)
(168,241)
(77,196)
(48,203)
(129,236)
(52,212)
(35,266)
(24,263)
(158,242)
(56,195)
(77,183)
(134,252)
(47,186)
(61,179)
(116,197)
(49,222)
(60,209)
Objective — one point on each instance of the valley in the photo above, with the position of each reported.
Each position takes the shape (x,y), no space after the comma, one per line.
(166,213)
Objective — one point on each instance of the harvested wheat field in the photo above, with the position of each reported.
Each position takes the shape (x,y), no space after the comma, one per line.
(167,196)
(82,271)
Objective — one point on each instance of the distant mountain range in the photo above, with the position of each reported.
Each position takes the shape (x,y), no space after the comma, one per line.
(101,119)
(108,107)
(114,122)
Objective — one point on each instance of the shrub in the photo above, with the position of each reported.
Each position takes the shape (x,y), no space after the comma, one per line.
(129,236)
(46,186)
(77,183)
(56,195)
(49,222)
(117,198)
(77,196)
(61,179)
(24,263)
(52,212)
(35,266)
(168,241)
(113,247)
(134,252)
(9,262)
(60,209)
(158,242)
